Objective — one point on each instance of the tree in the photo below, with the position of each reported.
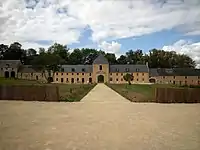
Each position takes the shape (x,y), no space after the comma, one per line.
(111,58)
(48,63)
(31,52)
(89,55)
(3,49)
(76,57)
(169,59)
(60,50)
(128,77)
(122,60)
(41,51)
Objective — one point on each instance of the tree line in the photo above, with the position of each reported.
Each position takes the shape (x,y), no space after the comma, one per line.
(59,54)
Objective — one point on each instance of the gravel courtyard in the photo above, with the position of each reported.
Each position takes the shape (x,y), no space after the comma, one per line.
(103,120)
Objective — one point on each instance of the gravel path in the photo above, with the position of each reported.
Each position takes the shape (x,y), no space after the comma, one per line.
(103,123)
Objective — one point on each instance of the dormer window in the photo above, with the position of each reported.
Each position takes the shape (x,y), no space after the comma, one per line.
(127,69)
(137,70)
(62,69)
(73,69)
(117,70)
(83,69)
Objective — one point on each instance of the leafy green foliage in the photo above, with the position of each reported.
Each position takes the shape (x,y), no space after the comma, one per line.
(156,58)
(128,77)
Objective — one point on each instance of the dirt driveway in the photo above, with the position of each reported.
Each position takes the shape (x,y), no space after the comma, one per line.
(96,125)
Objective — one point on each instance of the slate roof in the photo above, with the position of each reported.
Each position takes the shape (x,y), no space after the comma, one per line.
(153,72)
(28,69)
(11,63)
(100,60)
(128,68)
(174,72)
(77,68)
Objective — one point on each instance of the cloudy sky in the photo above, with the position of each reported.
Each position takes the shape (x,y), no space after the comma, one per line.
(112,25)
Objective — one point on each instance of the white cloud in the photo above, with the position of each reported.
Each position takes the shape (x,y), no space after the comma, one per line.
(27,45)
(113,47)
(108,19)
(186,47)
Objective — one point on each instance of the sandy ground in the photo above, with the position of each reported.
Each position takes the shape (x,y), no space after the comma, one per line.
(103,123)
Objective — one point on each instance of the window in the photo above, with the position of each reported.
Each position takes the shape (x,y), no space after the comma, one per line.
(111,74)
(72,73)
(90,80)
(83,80)
(174,77)
(198,82)
(117,79)
(66,73)
(73,69)
(198,77)
(100,67)
(142,79)
(163,77)
(110,79)
(137,79)
(174,82)
(56,79)
(36,77)
(1,68)
(77,79)
(137,74)
(116,74)
(127,69)
(90,74)
(31,74)
(121,74)
(83,69)
(142,74)
(185,77)
(121,79)
(12,69)
(62,80)
(62,74)
(82,73)
(137,70)
(67,80)
(185,82)
(72,80)
(56,73)
(77,73)
(117,70)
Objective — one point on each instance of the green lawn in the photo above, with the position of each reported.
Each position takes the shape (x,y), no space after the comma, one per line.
(74,92)
(137,92)
(68,92)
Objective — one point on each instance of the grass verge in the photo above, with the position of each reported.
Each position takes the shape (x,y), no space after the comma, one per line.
(74,92)
(137,92)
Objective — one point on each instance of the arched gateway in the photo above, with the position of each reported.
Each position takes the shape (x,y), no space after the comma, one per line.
(100,79)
